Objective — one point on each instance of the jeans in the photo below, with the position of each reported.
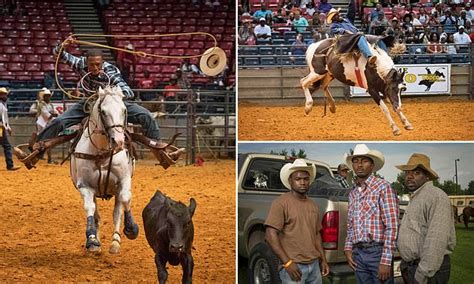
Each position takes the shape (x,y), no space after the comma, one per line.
(310,273)
(363,46)
(7,148)
(441,276)
(135,114)
(368,261)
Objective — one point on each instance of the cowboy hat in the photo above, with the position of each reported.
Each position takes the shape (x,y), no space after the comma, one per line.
(213,61)
(297,165)
(342,167)
(419,160)
(129,46)
(4,90)
(361,150)
(44,91)
(331,14)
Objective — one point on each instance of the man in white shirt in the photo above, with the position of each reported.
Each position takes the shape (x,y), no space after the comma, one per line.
(461,37)
(5,131)
(263,31)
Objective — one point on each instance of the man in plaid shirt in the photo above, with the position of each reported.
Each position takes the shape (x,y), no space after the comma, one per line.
(372,219)
(99,74)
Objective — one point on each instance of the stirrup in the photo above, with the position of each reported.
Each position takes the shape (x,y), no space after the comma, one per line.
(29,160)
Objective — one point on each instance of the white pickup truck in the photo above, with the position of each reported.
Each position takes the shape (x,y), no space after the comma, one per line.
(258,185)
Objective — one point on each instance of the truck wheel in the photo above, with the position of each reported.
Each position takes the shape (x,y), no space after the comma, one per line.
(263,265)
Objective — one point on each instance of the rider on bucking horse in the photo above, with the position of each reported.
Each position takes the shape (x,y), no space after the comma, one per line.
(342,26)
(100,72)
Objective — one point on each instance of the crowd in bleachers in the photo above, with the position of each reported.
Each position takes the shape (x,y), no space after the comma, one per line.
(426,26)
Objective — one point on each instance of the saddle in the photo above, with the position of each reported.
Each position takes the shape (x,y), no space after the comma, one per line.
(166,153)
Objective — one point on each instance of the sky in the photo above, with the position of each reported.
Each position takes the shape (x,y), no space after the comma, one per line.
(442,155)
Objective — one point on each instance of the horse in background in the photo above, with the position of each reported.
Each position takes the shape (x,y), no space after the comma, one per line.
(101,166)
(381,81)
(467,213)
(455,213)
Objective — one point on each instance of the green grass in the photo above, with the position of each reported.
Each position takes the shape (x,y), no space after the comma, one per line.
(462,260)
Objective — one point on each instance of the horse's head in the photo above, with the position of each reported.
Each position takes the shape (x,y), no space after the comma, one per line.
(112,114)
(394,86)
(179,223)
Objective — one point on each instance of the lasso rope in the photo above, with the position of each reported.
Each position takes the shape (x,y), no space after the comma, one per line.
(139,53)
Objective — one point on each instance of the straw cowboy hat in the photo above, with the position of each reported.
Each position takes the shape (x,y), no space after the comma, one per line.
(419,160)
(297,165)
(44,91)
(3,90)
(213,61)
(331,14)
(361,150)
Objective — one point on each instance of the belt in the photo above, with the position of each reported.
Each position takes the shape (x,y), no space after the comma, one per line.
(363,245)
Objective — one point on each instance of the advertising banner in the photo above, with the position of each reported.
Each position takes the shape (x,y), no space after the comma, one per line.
(426,79)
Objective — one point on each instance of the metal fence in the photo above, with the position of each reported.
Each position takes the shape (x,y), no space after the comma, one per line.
(215,139)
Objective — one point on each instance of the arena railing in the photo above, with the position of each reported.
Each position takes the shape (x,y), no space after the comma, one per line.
(207,140)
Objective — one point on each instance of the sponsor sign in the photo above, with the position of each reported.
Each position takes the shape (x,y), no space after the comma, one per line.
(426,79)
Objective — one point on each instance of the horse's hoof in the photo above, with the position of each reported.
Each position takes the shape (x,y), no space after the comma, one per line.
(333,109)
(397,132)
(409,127)
(114,247)
(131,233)
(308,108)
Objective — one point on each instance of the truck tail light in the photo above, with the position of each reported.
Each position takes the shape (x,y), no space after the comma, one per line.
(330,230)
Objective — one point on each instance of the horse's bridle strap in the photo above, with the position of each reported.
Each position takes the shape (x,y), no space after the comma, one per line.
(85,156)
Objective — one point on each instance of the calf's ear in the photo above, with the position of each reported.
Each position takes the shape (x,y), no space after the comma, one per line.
(192,206)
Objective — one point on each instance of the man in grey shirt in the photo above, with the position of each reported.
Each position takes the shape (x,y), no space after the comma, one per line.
(426,235)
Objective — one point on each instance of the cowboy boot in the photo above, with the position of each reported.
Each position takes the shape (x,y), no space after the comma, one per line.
(166,158)
(29,160)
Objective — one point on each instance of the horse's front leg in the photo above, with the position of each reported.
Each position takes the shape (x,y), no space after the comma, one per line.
(92,240)
(375,95)
(404,120)
(325,86)
(306,82)
(125,196)
(115,245)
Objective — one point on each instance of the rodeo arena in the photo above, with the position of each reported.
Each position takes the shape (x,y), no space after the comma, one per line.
(303,74)
(128,100)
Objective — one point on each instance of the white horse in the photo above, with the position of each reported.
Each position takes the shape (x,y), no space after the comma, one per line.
(102,167)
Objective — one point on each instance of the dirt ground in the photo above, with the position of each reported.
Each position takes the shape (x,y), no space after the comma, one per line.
(43,225)
(444,119)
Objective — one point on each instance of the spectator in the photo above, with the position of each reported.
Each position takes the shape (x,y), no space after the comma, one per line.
(126,62)
(290,19)
(146,82)
(269,20)
(449,48)
(244,32)
(433,21)
(407,24)
(469,12)
(423,17)
(262,31)
(298,48)
(448,20)
(5,131)
(461,37)
(464,21)
(438,9)
(374,14)
(183,81)
(342,175)
(324,7)
(48,80)
(433,45)
(300,23)
(190,68)
(262,13)
(44,112)
(310,10)
(416,23)
(379,25)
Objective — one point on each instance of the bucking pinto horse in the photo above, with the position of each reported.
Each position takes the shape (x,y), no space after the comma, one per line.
(381,80)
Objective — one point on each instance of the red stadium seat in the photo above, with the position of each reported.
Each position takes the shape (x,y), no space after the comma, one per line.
(204,22)
(26,34)
(177,52)
(49,20)
(161,29)
(6,75)
(146,29)
(174,21)
(145,21)
(12,33)
(3,67)
(174,29)
(32,67)
(154,68)
(43,50)
(153,43)
(47,67)
(51,27)
(6,41)
(4,58)
(54,35)
(7,26)
(180,14)
(175,61)
(160,22)
(182,44)
(217,30)
(40,34)
(139,43)
(16,66)
(38,75)
(198,44)
(10,49)
(48,58)
(189,22)
(54,42)
(26,50)
(36,27)
(17,58)
(40,42)
(22,41)
(168,69)
(167,44)
(33,58)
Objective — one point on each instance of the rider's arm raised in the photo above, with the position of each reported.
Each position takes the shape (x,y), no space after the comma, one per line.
(77,63)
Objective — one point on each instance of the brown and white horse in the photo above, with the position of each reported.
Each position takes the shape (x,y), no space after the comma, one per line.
(380,81)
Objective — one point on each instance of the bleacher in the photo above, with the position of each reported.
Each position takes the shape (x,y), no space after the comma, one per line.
(145,17)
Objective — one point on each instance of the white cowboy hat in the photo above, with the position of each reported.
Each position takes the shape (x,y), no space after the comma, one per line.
(361,150)
(213,61)
(44,91)
(129,46)
(297,165)
(331,14)
(419,160)
(4,90)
